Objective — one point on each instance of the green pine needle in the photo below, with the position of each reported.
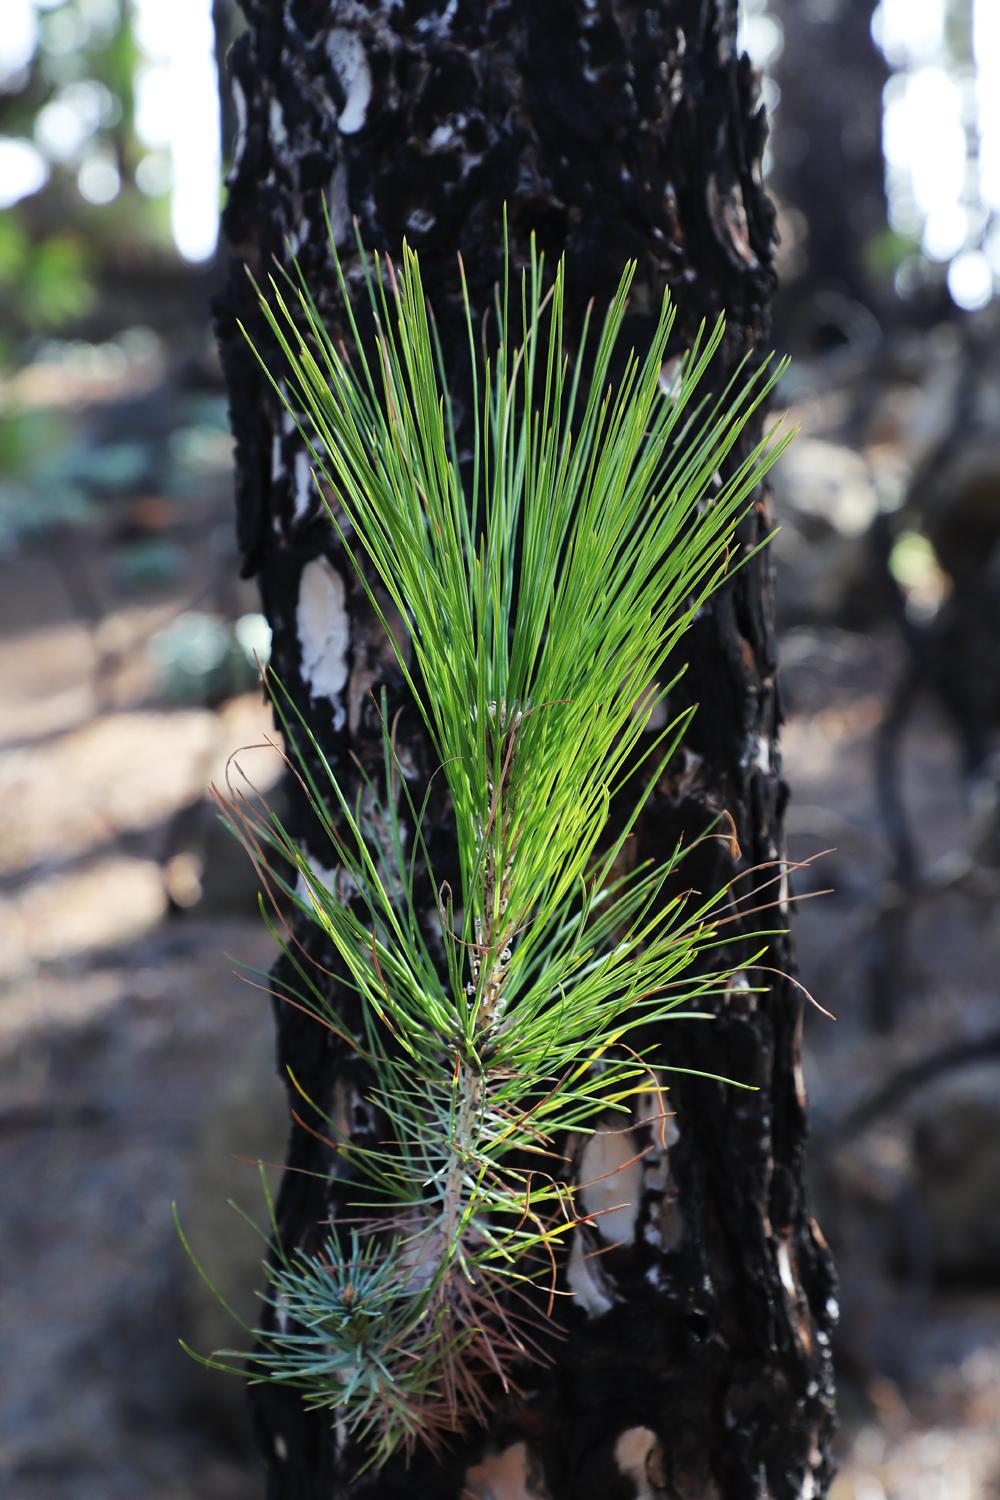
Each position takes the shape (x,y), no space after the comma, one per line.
(543,584)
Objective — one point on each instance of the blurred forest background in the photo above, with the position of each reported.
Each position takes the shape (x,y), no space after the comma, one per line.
(137,1070)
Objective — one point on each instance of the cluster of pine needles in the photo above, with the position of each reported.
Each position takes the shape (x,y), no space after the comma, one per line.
(545,573)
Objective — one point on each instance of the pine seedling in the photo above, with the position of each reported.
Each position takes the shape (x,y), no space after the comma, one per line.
(543,582)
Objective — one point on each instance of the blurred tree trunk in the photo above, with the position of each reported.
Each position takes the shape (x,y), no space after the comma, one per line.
(828,164)
(696,1361)
(227,22)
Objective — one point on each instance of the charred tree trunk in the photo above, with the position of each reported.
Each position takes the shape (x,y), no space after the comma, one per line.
(697,1356)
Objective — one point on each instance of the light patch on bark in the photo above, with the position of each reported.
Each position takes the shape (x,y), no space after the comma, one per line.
(323,876)
(799,1078)
(658,718)
(362,1113)
(672,377)
(653,1110)
(286,427)
(280,1447)
(420,221)
(344,1095)
(276,122)
(240,103)
(440,22)
(340,204)
(633,1449)
(277,462)
(657,714)
(324,630)
(585,1277)
(684,779)
(663,1225)
(786,1270)
(348,60)
(304,487)
(739,984)
(610,1177)
(507,1475)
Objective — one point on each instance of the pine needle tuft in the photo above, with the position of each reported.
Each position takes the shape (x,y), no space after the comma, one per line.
(544,580)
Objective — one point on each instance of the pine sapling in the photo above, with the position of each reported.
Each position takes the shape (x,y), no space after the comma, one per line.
(544,578)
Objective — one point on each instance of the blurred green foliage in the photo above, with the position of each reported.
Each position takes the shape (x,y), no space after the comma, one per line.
(105,196)
(38,489)
(50,280)
(886,251)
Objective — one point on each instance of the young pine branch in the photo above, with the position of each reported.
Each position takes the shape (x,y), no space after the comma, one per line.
(544,581)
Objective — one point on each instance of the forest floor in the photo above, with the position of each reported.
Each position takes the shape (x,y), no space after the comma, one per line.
(137,1070)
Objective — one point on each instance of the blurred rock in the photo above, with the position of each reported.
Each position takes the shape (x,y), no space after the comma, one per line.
(824,582)
(822,487)
(824,502)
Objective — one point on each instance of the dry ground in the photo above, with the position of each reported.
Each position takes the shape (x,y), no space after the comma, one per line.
(135,1065)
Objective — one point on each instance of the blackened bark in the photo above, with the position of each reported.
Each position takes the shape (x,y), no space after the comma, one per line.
(614,129)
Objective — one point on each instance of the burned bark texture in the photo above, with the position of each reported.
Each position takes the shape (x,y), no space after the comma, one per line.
(696,1361)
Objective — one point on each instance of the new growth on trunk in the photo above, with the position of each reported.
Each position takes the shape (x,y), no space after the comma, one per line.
(543,581)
